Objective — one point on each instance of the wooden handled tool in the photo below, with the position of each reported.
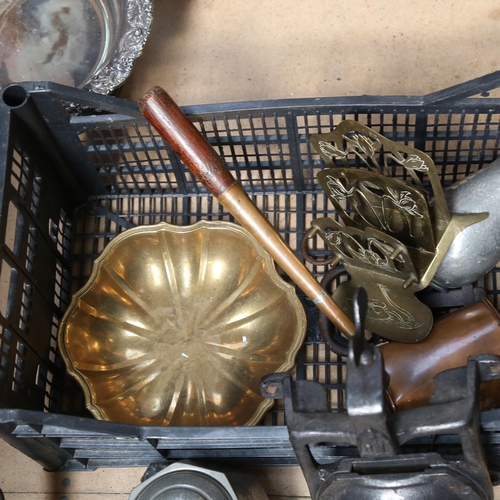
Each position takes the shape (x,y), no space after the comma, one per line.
(197,154)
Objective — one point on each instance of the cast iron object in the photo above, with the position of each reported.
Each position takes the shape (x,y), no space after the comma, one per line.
(381,471)
(199,156)
(476,250)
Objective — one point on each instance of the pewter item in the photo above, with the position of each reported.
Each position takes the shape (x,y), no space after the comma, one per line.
(476,250)
(186,480)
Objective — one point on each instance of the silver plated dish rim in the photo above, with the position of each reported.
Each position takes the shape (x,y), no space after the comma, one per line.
(137,26)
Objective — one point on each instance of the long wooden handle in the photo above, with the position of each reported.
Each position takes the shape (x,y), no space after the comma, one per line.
(183,137)
(206,165)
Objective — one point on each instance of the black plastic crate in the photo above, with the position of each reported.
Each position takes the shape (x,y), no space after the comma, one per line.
(71,182)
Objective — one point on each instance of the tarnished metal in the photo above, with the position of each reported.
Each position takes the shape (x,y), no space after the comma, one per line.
(380,202)
(177,324)
(304,250)
(370,202)
(476,250)
(382,265)
(330,335)
(383,156)
(90,44)
(187,480)
(382,471)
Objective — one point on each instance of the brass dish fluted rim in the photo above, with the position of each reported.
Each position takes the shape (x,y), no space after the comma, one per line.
(289,289)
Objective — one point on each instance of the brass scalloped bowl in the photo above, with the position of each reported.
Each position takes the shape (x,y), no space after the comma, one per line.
(177,325)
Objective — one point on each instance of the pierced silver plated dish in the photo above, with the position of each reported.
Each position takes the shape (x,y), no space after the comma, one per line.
(88,44)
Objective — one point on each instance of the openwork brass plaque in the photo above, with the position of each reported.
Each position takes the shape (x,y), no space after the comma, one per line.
(395,234)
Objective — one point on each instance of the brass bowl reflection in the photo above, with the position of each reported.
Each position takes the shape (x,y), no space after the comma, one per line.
(177,325)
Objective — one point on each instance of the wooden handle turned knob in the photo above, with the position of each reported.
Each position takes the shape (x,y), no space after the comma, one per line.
(186,141)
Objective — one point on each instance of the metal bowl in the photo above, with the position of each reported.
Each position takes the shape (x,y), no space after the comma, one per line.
(177,325)
(81,43)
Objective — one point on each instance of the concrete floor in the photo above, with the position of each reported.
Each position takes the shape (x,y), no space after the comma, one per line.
(208,51)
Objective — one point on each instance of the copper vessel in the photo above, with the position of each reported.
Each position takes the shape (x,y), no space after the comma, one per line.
(474,329)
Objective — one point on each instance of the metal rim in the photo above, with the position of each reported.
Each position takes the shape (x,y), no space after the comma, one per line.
(289,361)
(138,21)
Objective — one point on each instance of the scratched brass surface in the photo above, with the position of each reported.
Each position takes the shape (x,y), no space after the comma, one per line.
(178,324)
(417,217)
(396,232)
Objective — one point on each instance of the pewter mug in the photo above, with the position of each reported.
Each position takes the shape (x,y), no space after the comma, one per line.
(476,250)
